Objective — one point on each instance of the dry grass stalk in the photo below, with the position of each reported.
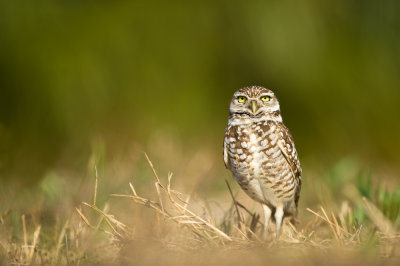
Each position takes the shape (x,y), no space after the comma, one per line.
(24,230)
(331,225)
(4,215)
(27,252)
(35,242)
(235,204)
(25,246)
(115,225)
(85,219)
(201,227)
(175,206)
(59,242)
(338,231)
(95,186)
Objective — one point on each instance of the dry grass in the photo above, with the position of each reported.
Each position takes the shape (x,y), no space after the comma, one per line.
(182,229)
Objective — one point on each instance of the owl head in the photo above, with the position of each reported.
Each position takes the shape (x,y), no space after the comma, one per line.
(255,102)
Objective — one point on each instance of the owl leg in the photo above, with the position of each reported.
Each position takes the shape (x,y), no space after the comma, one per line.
(267,216)
(278,219)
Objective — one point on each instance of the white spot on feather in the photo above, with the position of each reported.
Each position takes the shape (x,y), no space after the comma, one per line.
(270,151)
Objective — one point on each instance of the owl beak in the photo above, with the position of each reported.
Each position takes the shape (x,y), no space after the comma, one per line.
(254,106)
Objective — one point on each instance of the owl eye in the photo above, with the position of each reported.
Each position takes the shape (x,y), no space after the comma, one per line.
(265,98)
(241,99)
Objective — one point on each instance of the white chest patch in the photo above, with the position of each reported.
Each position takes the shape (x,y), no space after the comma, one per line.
(256,188)
(254,148)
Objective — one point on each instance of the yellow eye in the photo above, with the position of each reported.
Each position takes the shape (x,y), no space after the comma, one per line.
(265,98)
(241,99)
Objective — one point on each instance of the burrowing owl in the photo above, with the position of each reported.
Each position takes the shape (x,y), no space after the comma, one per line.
(259,151)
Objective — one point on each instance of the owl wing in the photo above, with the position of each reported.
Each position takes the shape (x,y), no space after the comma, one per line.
(286,145)
(225,149)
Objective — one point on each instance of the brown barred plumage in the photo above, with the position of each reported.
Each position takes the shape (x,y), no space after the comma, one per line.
(259,151)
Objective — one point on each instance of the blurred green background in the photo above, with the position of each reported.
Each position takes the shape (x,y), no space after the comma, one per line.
(72,72)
